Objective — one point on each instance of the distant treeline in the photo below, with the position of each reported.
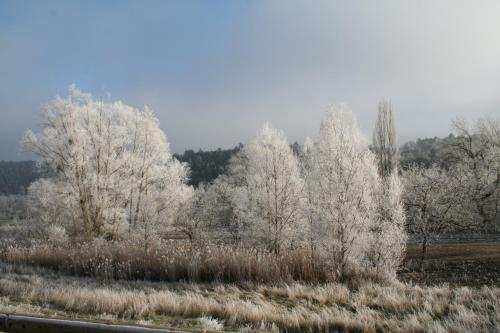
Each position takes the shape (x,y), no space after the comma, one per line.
(429,151)
(15,177)
(205,166)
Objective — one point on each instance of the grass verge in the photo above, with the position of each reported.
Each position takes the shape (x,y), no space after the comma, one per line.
(296,307)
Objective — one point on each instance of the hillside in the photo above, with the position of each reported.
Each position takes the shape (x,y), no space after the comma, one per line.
(15,177)
(205,166)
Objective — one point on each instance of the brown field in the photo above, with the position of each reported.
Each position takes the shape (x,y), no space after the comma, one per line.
(455,263)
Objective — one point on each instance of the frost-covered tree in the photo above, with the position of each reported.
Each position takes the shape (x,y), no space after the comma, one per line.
(433,201)
(313,229)
(477,151)
(225,205)
(268,190)
(112,163)
(346,182)
(50,204)
(198,216)
(214,210)
(389,234)
(384,140)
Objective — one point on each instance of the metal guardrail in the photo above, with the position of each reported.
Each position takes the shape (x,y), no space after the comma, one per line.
(18,324)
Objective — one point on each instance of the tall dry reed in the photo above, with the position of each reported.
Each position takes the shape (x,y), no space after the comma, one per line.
(171,260)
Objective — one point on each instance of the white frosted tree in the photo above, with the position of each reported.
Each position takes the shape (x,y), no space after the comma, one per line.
(270,187)
(226,203)
(433,201)
(346,184)
(389,232)
(313,227)
(477,151)
(49,203)
(197,215)
(111,162)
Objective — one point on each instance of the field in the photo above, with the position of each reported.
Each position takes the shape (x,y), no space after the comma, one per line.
(449,296)
(396,307)
(458,292)
(457,263)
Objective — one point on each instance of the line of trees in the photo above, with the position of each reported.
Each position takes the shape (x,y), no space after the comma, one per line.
(113,176)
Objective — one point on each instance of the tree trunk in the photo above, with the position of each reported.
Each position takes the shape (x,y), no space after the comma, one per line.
(424,252)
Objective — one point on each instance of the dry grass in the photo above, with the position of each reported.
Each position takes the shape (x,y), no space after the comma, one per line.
(291,307)
(207,285)
(171,260)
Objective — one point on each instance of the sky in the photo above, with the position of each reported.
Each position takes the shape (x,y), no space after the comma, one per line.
(214,71)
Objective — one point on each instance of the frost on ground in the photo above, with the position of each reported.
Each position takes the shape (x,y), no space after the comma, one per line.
(394,307)
(211,324)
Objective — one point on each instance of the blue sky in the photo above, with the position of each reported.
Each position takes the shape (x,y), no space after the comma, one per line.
(215,71)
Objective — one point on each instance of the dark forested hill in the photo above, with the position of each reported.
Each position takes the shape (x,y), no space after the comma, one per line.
(205,166)
(15,177)
(428,151)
